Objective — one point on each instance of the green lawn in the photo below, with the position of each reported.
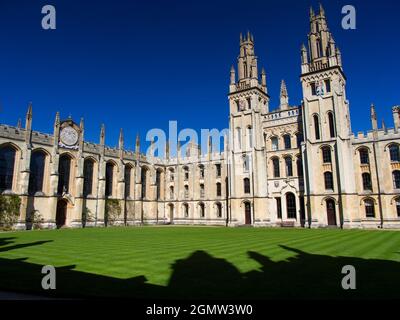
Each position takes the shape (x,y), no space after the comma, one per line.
(202,262)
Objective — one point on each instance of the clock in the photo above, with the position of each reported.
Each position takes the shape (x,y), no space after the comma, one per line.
(69,136)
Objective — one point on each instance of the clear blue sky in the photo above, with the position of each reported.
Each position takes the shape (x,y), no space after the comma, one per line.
(139,64)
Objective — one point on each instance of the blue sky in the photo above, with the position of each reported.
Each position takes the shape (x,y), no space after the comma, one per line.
(139,64)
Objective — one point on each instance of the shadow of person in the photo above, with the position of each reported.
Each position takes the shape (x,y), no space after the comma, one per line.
(202,276)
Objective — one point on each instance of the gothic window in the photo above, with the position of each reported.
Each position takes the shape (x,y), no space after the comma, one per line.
(219,210)
(328,85)
(218,169)
(364,156)
(316,127)
(299,163)
(201,168)
(218,189)
(398,207)
(109,179)
(369,208)
(127,177)
(7,161)
(186,173)
(246,185)
(275,164)
(171,192)
(396,179)
(394,153)
(328,178)
(36,175)
(246,164)
(299,139)
(171,174)
(249,137)
(274,143)
(201,208)
(186,210)
(279,207)
(291,205)
(313,89)
(64,169)
(202,192)
(186,191)
(88,177)
(158,184)
(331,125)
(239,138)
(286,139)
(289,166)
(326,155)
(143,177)
(366,179)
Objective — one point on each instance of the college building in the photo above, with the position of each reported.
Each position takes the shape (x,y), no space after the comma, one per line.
(282,165)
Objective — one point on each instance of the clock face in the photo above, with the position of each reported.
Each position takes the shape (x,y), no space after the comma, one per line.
(69,136)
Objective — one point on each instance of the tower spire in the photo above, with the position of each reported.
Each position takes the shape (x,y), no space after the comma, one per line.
(284,97)
(102,135)
(121,139)
(374,120)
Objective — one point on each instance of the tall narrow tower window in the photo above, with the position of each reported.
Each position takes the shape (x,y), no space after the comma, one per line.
(331,125)
(316,127)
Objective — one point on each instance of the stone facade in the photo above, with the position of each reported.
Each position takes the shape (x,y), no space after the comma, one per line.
(291,166)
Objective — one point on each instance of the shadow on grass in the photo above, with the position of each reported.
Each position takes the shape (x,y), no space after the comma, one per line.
(200,275)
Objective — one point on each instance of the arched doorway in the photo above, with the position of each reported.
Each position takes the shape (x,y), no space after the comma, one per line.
(331,212)
(247,213)
(61,214)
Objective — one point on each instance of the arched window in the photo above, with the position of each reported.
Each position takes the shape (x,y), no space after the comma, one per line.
(38,160)
(88,177)
(316,127)
(186,210)
(328,178)
(394,153)
(158,184)
(127,177)
(64,170)
(398,207)
(7,160)
(202,191)
(275,164)
(289,166)
(369,208)
(218,169)
(366,179)
(299,139)
(364,156)
(143,178)
(326,155)
(299,163)
(186,191)
(274,143)
(171,192)
(249,137)
(202,211)
(109,179)
(219,210)
(171,174)
(331,125)
(291,205)
(287,142)
(201,169)
(246,163)
(218,189)
(246,185)
(186,173)
(396,179)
